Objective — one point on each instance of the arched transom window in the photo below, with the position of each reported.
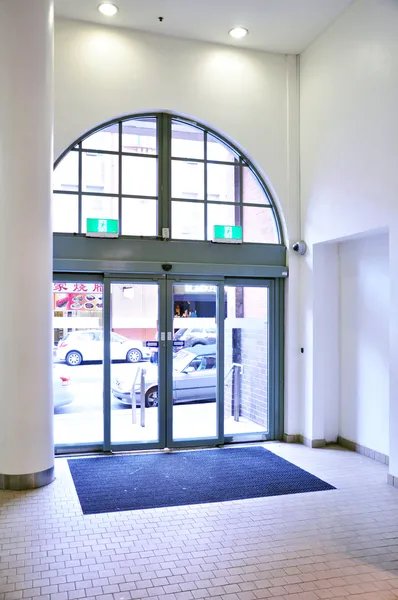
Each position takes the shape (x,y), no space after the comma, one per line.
(158,174)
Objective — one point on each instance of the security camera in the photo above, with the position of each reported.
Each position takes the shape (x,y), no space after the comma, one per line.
(167,267)
(300,247)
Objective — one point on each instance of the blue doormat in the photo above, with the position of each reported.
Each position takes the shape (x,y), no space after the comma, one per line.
(137,481)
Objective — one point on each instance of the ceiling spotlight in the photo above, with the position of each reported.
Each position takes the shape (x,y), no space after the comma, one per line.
(109,10)
(238,33)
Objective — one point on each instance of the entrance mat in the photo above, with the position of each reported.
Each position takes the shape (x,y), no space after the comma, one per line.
(138,481)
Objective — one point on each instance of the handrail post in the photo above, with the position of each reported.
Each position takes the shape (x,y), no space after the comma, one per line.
(142,399)
(134,399)
(236,392)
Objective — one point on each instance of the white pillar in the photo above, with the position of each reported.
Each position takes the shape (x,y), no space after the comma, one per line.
(393,392)
(26,138)
(326,340)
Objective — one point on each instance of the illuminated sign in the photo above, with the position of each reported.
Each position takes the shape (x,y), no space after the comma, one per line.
(102,228)
(201,289)
(228,234)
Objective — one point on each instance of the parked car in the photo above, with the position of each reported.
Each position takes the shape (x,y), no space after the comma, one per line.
(79,346)
(190,337)
(196,336)
(62,389)
(194,379)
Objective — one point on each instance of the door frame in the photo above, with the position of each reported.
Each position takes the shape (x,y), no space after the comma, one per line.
(165,363)
(275,358)
(159,280)
(219,439)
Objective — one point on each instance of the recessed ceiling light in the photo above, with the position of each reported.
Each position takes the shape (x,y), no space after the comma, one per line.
(107,9)
(238,32)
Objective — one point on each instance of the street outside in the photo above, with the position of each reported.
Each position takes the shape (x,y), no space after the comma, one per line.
(86,385)
(81,422)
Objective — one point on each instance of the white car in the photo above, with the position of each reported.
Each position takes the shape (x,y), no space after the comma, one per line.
(79,346)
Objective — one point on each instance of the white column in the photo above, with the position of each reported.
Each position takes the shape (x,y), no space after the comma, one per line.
(26,139)
(326,339)
(393,392)
(293,357)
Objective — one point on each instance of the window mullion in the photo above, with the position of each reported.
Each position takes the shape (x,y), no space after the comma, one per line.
(120,147)
(164,172)
(205,182)
(80,188)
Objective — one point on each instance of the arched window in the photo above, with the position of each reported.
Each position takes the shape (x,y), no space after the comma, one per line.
(158,172)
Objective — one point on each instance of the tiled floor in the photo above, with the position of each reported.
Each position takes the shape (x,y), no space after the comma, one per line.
(335,544)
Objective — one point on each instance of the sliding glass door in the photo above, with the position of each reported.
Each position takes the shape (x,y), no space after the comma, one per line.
(157,362)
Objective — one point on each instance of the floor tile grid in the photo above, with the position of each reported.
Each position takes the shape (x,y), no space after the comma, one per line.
(333,544)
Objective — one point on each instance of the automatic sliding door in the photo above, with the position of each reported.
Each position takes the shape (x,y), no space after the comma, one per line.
(78,350)
(193,390)
(173,378)
(134,321)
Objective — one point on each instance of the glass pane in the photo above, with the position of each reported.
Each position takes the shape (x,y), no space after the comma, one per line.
(246,361)
(187,180)
(139,176)
(221,214)
(139,217)
(106,139)
(186,141)
(100,173)
(98,207)
(139,136)
(134,321)
(195,363)
(222,183)
(259,225)
(66,174)
(216,150)
(252,190)
(77,363)
(187,220)
(65,213)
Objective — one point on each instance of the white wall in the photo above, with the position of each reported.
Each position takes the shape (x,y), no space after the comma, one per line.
(364,342)
(349,145)
(250,97)
(103,72)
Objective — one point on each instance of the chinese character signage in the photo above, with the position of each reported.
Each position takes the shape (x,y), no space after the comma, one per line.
(77,296)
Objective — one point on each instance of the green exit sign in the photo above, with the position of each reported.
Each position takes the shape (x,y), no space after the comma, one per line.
(102,228)
(228,234)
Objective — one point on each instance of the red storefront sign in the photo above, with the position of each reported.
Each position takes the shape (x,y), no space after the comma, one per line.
(77,296)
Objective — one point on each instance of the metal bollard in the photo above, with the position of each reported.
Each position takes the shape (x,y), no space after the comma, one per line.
(236,392)
(134,399)
(142,400)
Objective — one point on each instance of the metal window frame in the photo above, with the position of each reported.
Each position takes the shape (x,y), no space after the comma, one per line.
(163,155)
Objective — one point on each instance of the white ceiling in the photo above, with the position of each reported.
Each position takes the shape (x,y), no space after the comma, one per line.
(286,26)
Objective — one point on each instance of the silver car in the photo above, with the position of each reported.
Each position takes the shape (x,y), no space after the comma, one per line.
(194,379)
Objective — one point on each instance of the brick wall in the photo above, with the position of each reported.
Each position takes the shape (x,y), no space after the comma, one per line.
(246,342)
